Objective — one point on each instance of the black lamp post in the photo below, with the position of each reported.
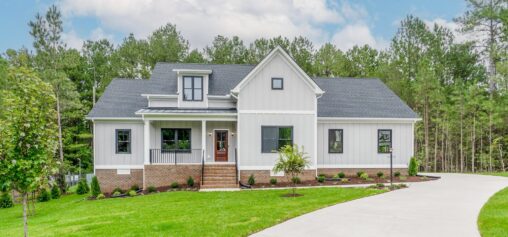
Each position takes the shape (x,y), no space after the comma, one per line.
(391,166)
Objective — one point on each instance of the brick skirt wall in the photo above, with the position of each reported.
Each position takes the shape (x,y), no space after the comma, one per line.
(263,176)
(352,171)
(164,175)
(109,179)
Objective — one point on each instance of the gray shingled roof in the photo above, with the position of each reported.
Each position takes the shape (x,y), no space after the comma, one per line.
(360,98)
(344,97)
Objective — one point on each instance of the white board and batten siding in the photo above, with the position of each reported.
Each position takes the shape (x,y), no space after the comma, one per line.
(156,126)
(105,155)
(360,144)
(258,105)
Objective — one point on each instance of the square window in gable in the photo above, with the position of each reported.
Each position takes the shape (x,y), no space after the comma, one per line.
(277,83)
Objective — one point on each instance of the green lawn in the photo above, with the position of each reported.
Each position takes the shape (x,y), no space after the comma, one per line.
(504,174)
(173,213)
(493,219)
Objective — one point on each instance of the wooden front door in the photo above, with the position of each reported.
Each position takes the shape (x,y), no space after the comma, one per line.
(221,145)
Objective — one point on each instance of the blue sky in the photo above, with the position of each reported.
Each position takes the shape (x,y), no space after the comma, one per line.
(344,23)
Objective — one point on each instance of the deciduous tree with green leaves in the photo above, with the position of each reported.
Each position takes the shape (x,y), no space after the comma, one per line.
(292,162)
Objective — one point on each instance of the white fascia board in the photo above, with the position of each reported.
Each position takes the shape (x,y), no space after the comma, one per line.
(192,71)
(309,112)
(114,118)
(366,120)
(265,61)
(159,96)
(377,166)
(219,97)
(112,167)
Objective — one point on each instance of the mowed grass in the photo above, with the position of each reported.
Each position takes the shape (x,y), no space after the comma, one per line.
(493,219)
(503,174)
(173,213)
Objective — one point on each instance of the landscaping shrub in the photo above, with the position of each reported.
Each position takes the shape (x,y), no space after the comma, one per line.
(82,187)
(152,189)
(413,167)
(95,187)
(175,185)
(118,190)
(344,180)
(296,180)
(380,185)
(100,196)
(6,200)
(273,181)
(135,187)
(359,174)
(396,174)
(190,182)
(251,180)
(321,179)
(341,175)
(132,193)
(364,176)
(55,192)
(380,174)
(44,196)
(116,194)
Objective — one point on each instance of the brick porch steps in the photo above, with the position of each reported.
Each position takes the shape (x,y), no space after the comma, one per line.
(219,176)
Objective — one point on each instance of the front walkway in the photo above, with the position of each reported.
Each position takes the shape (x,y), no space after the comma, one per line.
(445,207)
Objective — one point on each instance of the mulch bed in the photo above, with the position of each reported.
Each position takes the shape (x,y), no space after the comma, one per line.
(352,180)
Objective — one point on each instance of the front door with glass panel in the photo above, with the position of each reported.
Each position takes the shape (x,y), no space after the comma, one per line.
(221,145)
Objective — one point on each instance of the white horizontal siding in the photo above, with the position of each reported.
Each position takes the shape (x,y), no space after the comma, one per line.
(166,102)
(360,145)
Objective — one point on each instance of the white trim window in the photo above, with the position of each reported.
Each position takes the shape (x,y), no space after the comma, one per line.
(192,88)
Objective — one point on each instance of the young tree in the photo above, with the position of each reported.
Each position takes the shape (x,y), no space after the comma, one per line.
(292,162)
(328,61)
(226,51)
(27,134)
(166,44)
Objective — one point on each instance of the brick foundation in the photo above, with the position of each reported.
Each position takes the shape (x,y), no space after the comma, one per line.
(263,176)
(109,179)
(164,175)
(352,171)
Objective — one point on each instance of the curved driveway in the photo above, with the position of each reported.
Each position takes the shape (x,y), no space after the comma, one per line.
(445,207)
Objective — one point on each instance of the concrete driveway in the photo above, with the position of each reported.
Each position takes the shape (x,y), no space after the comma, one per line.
(445,207)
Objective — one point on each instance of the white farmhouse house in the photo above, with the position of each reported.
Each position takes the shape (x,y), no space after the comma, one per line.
(222,123)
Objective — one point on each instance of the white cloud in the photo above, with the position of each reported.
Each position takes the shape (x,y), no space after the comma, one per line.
(72,39)
(459,37)
(201,21)
(357,34)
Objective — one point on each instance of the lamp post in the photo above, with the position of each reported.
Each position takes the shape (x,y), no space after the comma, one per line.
(391,166)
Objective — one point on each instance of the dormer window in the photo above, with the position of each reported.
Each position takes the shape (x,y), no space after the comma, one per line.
(277,83)
(192,88)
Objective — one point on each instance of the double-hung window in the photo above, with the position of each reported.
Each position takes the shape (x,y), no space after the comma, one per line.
(384,140)
(123,141)
(192,88)
(335,141)
(273,138)
(175,139)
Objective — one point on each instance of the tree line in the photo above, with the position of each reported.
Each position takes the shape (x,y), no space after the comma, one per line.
(459,89)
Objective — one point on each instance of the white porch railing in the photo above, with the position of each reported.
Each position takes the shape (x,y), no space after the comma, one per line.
(170,156)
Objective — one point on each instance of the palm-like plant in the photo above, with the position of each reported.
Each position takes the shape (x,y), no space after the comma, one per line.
(292,162)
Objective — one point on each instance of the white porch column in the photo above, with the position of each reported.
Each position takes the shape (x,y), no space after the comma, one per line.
(203,137)
(146,142)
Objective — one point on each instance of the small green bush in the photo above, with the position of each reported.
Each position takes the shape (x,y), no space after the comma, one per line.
(135,187)
(55,192)
(251,180)
(344,180)
(95,187)
(296,180)
(82,187)
(364,176)
(100,196)
(190,181)
(6,200)
(413,167)
(175,185)
(359,174)
(396,174)
(116,194)
(44,196)
(132,193)
(380,185)
(118,190)
(273,181)
(380,174)
(152,189)
(321,179)
(341,175)
(322,175)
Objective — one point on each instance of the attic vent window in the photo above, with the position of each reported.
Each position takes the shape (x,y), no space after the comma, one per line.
(192,88)
(277,83)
